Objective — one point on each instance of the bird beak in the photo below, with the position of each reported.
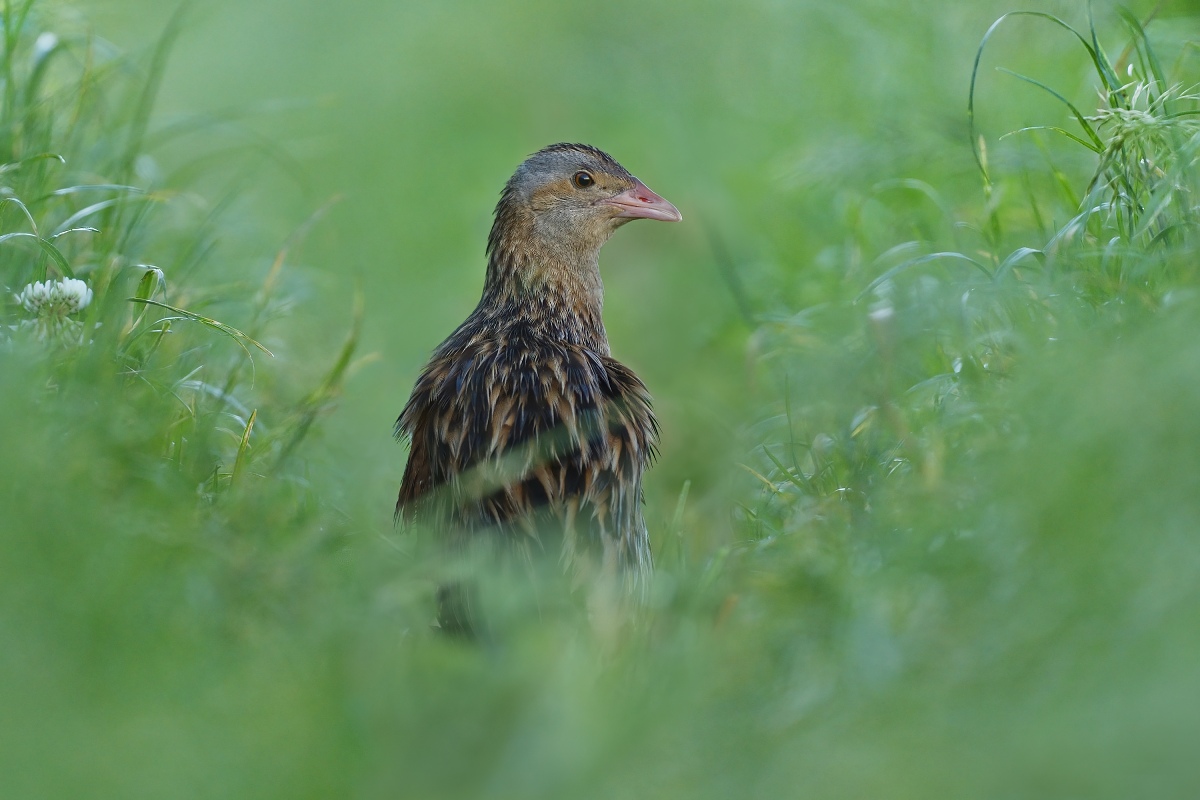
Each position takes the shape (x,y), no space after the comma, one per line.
(641,203)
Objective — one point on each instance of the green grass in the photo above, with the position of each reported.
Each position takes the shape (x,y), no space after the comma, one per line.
(926,516)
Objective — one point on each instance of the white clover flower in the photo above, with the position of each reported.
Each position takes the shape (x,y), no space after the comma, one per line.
(51,303)
(55,298)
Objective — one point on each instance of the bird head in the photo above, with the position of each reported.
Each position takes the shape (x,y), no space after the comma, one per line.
(571,198)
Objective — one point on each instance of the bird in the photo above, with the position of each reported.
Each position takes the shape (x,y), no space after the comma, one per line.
(522,427)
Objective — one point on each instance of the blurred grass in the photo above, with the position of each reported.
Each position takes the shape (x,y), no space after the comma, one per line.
(938,536)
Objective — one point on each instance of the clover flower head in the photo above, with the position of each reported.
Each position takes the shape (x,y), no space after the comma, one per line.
(52,303)
(45,299)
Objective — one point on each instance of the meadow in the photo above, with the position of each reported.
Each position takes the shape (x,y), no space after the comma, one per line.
(923,350)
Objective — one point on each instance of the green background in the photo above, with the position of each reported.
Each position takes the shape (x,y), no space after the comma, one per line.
(1010,613)
(756,120)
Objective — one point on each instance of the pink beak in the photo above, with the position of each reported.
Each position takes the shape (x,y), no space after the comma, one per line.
(641,203)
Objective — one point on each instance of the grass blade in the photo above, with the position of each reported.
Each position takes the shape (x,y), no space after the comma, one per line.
(913,262)
(228,330)
(974,134)
(1089,145)
(1083,123)
(47,247)
(243,447)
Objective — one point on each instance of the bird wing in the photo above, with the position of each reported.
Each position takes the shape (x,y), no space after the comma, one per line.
(518,432)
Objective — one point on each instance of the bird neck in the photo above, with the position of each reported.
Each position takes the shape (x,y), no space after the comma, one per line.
(551,284)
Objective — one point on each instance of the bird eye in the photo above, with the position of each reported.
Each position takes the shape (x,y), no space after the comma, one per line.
(583,179)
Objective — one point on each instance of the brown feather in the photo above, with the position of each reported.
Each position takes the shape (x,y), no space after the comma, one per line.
(521,419)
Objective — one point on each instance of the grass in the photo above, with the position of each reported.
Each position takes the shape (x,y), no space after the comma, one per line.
(953,555)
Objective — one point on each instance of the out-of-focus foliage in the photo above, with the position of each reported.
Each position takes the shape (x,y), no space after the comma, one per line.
(83,202)
(926,516)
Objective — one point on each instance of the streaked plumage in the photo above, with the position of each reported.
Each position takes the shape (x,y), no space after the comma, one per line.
(522,424)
